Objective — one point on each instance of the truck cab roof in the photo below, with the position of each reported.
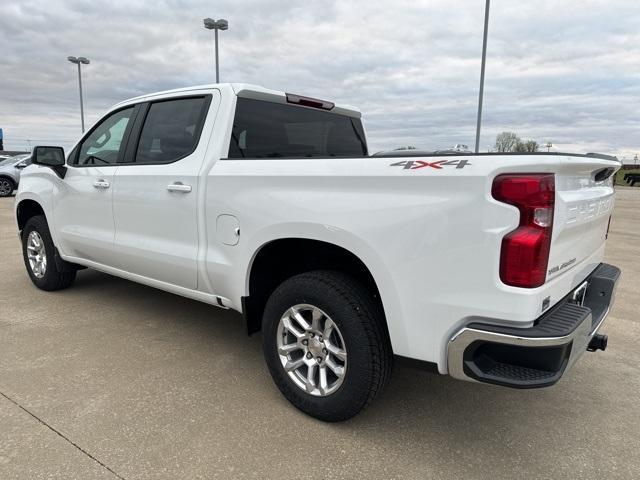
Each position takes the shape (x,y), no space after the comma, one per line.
(245,90)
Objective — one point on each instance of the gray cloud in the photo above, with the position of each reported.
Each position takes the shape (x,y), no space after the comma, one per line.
(566,72)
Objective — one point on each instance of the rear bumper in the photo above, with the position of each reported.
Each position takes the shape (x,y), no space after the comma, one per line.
(537,356)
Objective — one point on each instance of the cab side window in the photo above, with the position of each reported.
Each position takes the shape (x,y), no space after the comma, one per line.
(171,130)
(104,144)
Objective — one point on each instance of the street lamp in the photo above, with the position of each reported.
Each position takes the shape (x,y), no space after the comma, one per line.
(484,61)
(78,61)
(216,25)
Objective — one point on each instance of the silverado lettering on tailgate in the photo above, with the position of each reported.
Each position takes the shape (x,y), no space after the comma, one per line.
(587,211)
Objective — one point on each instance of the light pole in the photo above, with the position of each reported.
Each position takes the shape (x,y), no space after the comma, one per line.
(484,60)
(216,25)
(78,61)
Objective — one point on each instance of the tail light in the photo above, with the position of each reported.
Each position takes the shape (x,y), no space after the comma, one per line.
(525,251)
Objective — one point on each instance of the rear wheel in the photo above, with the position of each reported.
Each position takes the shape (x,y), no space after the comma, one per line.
(326,344)
(39,257)
(6,187)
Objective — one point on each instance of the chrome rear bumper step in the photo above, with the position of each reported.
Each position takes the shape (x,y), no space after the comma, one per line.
(537,356)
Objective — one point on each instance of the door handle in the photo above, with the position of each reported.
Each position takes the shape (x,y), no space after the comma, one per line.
(179,187)
(101,184)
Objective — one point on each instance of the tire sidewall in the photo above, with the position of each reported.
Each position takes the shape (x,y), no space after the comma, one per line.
(49,280)
(351,396)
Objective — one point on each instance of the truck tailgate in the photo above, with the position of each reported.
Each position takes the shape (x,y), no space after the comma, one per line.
(583,204)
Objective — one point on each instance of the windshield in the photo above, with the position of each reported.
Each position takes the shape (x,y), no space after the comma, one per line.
(14,159)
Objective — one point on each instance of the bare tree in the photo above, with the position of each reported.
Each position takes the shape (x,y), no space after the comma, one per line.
(507,142)
(527,146)
(510,142)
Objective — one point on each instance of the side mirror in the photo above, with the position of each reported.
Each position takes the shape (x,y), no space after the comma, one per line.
(48,156)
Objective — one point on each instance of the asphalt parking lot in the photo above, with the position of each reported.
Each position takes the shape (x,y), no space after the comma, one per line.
(111,379)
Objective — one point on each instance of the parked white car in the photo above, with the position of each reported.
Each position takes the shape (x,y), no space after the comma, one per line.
(487,267)
(10,169)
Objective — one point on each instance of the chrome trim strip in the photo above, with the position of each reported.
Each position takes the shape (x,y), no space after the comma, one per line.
(580,292)
(604,317)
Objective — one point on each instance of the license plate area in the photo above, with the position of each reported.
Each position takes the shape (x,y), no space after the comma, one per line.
(579,294)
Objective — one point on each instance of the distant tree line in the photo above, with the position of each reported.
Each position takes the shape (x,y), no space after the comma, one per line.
(510,142)
(408,147)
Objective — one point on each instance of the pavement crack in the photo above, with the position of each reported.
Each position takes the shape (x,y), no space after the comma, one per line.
(63,436)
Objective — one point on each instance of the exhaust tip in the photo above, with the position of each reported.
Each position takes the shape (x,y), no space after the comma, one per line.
(598,342)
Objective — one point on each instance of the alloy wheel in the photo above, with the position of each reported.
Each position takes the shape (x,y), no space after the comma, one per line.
(312,350)
(5,187)
(36,254)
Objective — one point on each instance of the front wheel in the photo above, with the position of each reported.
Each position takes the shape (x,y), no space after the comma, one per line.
(39,257)
(326,345)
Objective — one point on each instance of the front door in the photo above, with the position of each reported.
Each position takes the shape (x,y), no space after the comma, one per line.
(83,208)
(155,199)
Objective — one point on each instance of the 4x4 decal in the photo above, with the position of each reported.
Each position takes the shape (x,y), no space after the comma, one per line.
(438,164)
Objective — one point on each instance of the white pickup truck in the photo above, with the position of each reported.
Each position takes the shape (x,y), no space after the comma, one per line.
(487,267)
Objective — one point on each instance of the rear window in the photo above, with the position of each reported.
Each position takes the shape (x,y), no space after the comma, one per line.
(274,130)
(171,130)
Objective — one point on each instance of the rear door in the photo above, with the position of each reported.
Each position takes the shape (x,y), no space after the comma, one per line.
(155,199)
(82,200)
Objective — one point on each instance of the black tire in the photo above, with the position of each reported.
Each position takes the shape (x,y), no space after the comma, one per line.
(360,320)
(7,187)
(57,275)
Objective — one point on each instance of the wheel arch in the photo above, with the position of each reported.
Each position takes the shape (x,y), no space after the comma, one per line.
(26,209)
(267,270)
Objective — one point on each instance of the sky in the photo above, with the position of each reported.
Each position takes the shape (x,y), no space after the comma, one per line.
(561,72)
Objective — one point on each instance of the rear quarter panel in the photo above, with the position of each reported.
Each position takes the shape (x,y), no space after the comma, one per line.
(430,235)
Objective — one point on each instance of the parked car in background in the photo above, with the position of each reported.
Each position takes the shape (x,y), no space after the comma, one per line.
(10,169)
